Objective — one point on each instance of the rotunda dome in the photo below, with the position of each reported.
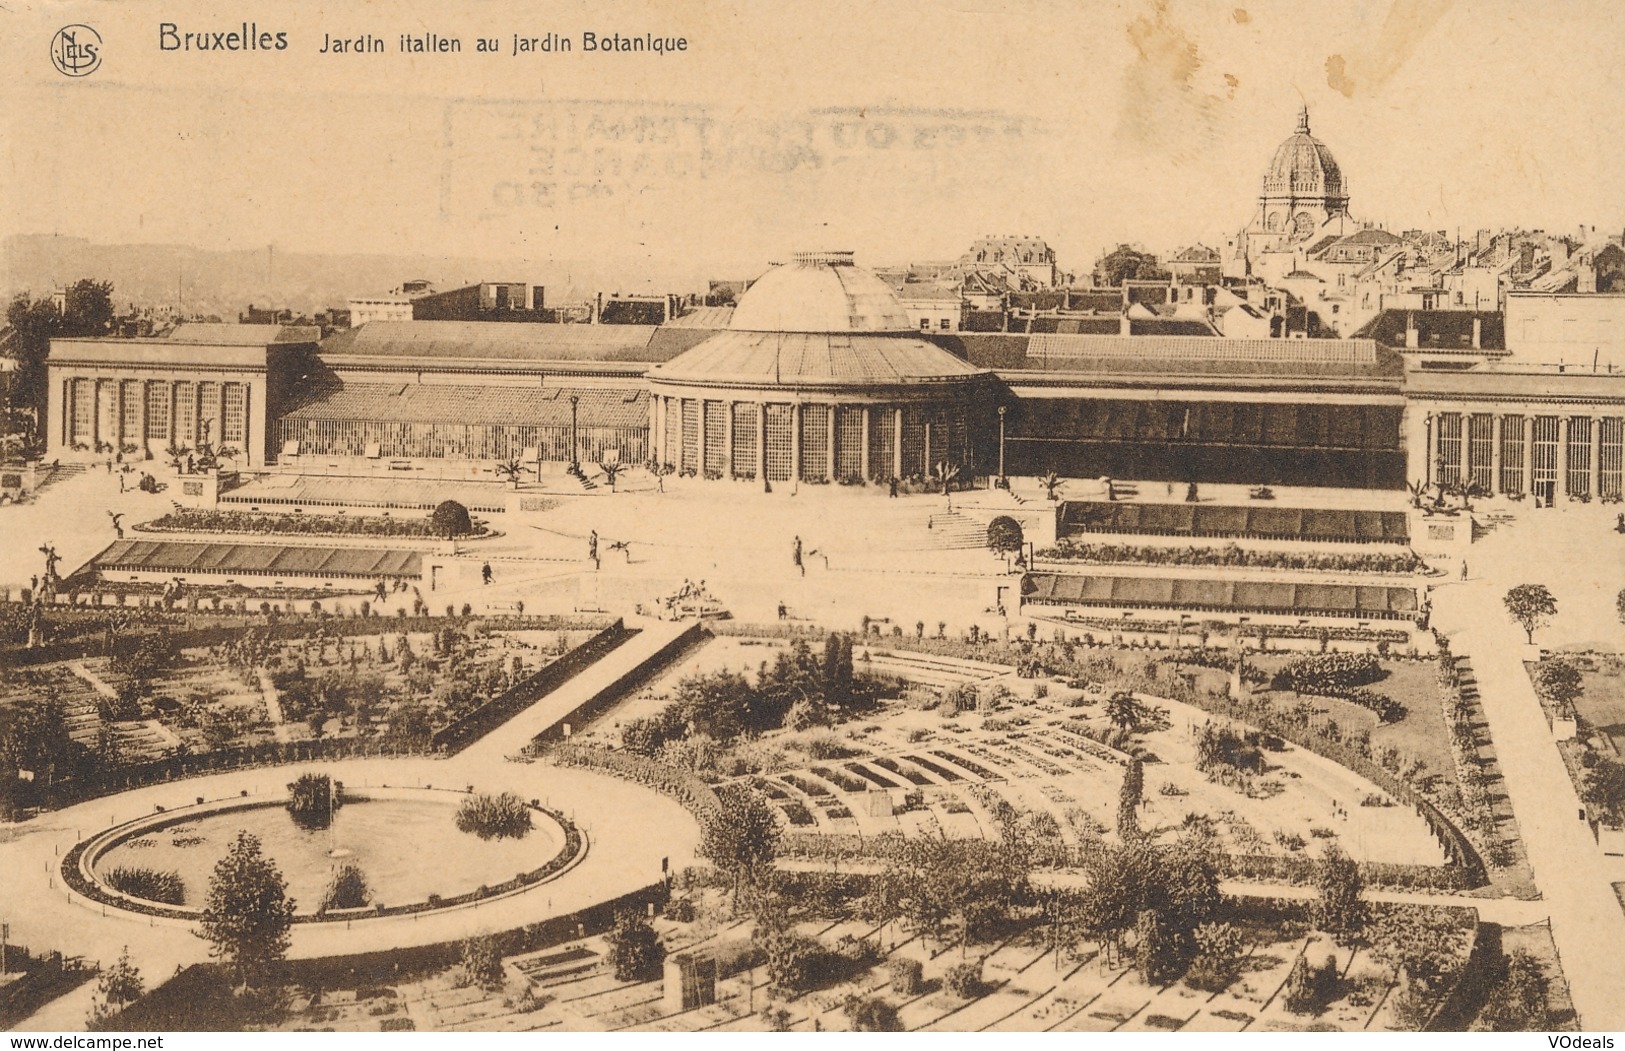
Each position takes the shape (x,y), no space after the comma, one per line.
(819,292)
(1303,167)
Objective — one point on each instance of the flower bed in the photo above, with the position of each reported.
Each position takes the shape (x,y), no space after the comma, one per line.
(1069,550)
(255,523)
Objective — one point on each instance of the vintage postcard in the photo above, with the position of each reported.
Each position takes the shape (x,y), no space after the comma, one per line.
(983,516)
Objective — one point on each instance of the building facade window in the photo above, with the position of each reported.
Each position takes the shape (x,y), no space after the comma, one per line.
(185,413)
(747,419)
(848,443)
(1578,458)
(1611,458)
(208,411)
(1543,454)
(882,441)
(1481,451)
(815,443)
(157,410)
(1512,455)
(716,438)
(83,428)
(234,415)
(1449,447)
(691,437)
(779,422)
(131,402)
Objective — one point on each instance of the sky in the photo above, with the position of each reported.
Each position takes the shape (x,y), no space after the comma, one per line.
(900,130)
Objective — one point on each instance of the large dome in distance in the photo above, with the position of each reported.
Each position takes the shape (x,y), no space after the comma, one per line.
(819,292)
(1304,167)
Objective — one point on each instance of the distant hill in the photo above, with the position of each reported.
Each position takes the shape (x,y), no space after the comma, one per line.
(205,281)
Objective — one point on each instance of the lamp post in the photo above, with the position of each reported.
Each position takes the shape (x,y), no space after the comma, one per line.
(1427,462)
(1002,410)
(575,445)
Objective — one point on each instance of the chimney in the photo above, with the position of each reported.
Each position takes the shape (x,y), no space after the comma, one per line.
(1411,340)
(1478,332)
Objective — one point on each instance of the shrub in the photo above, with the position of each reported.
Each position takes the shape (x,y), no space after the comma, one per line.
(148,884)
(503,816)
(907,976)
(312,798)
(870,1014)
(481,963)
(1310,988)
(348,889)
(1004,535)
(964,980)
(634,947)
(1218,957)
(1330,673)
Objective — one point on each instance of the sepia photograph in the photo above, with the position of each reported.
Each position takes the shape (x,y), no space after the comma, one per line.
(724,516)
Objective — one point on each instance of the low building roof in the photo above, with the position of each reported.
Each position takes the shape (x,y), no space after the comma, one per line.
(494,341)
(243,335)
(181,557)
(813,359)
(468,403)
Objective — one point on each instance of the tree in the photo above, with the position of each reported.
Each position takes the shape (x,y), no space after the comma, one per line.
(117,987)
(743,838)
(347,889)
(1052,485)
(481,963)
(1157,953)
(1604,789)
(450,519)
(611,471)
(1125,711)
(511,470)
(1004,535)
(1127,263)
(1218,957)
(1423,945)
(1557,682)
(1129,795)
(1339,911)
(1619,605)
(871,1014)
(634,947)
(1531,605)
(88,308)
(1517,1004)
(87,311)
(248,914)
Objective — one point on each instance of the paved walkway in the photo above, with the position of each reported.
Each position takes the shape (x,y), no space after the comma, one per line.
(1574,876)
(513,735)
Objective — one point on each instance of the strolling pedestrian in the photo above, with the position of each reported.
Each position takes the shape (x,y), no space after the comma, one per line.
(795,556)
(1464,569)
(485,573)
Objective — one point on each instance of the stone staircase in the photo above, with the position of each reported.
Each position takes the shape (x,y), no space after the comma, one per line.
(952,531)
(1485,524)
(50,476)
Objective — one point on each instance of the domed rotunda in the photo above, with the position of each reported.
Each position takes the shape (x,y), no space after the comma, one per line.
(819,377)
(1305,199)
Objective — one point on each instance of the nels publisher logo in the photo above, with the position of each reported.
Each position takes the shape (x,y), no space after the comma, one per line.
(76,51)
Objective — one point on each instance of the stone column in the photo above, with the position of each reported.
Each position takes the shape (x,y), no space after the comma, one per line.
(761,442)
(1562,486)
(1529,452)
(863,452)
(795,442)
(897,443)
(1594,468)
(1497,424)
(699,429)
(834,435)
(728,439)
